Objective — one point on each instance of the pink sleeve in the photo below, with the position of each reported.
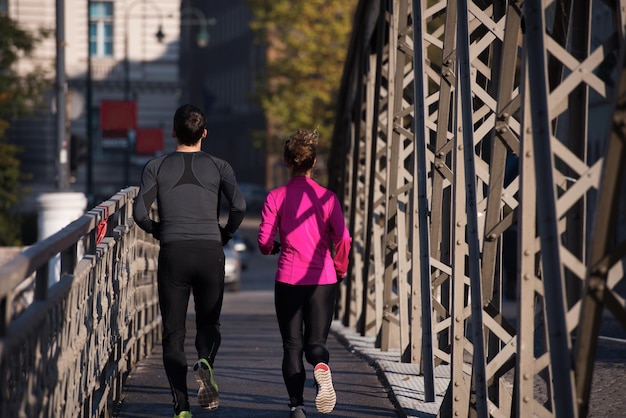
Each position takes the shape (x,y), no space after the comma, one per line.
(341,238)
(268,226)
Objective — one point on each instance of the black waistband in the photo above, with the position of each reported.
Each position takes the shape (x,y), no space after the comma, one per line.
(194,243)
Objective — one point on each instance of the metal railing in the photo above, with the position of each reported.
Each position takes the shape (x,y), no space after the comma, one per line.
(67,352)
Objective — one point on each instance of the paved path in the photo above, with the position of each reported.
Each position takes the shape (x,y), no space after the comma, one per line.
(248,364)
(248,372)
(369,383)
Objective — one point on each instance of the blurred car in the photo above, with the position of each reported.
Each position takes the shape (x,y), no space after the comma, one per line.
(255,196)
(232,267)
(243,247)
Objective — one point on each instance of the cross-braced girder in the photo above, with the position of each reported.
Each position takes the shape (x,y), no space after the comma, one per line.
(477,162)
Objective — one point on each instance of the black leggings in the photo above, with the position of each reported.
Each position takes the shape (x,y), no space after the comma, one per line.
(304,314)
(187,266)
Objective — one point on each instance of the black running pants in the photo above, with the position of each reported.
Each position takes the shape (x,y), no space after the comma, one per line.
(185,267)
(304,314)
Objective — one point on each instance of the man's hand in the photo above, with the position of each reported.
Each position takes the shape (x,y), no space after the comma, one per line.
(225,235)
(156,230)
(275,248)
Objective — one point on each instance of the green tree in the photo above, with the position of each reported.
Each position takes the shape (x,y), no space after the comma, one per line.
(306,43)
(20,95)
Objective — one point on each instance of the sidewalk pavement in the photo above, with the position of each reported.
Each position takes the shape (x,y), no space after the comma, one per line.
(405,384)
(369,382)
(248,372)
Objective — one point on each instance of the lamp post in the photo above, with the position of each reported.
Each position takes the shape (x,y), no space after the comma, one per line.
(130,134)
(159,36)
(203,37)
(57,209)
(89,114)
(63,182)
(191,16)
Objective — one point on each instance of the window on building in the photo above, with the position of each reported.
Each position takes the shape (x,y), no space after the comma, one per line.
(101,28)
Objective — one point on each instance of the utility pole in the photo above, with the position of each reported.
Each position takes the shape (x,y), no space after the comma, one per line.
(88,113)
(58,209)
(62,162)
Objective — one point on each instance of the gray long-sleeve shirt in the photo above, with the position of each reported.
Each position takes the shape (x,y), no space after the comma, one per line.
(187,187)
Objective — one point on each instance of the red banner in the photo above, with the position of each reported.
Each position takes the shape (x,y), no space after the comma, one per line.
(117,117)
(149,141)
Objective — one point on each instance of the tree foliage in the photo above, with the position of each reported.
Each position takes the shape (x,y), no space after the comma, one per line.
(306,44)
(20,95)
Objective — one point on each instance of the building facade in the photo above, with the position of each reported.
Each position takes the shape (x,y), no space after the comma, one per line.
(153,55)
(220,78)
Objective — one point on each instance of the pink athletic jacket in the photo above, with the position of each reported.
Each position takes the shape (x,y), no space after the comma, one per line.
(309,220)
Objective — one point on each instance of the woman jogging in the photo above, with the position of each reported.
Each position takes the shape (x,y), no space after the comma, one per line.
(187,184)
(311,227)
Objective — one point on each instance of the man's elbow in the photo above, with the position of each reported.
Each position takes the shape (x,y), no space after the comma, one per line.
(239,205)
(145,226)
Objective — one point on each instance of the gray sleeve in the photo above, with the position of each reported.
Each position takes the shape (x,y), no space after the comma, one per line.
(237,203)
(145,198)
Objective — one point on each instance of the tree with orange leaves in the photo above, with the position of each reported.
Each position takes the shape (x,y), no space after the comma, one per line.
(306,43)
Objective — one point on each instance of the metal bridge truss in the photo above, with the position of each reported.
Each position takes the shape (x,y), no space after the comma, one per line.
(476,131)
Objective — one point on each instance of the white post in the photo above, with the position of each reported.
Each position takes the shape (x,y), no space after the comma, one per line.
(56,211)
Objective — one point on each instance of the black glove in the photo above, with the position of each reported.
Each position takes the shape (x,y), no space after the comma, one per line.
(340,279)
(226,236)
(275,248)
(156,230)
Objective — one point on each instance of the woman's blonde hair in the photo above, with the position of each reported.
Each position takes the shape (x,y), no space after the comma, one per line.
(300,150)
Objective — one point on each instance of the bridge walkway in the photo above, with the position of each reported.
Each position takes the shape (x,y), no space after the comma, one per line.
(248,365)
(248,372)
(369,382)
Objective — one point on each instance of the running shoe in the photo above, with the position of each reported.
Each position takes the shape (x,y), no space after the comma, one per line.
(297,412)
(183,414)
(208,397)
(326,398)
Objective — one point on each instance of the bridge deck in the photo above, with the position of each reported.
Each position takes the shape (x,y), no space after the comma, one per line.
(248,371)
(248,366)
(368,382)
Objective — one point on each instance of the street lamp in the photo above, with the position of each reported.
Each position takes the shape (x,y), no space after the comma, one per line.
(131,134)
(62,164)
(191,16)
(159,36)
(203,37)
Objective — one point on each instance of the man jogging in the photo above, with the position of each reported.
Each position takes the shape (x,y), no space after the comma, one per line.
(187,185)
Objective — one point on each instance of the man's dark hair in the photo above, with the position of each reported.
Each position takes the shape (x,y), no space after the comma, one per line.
(189,124)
